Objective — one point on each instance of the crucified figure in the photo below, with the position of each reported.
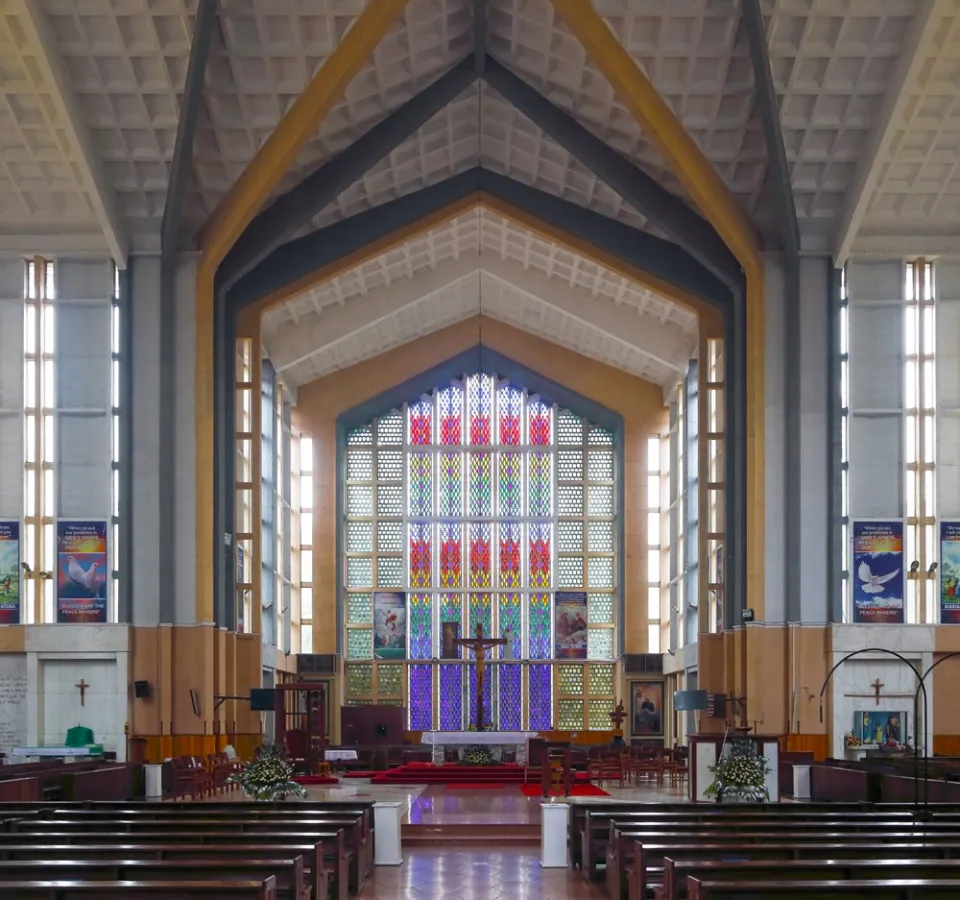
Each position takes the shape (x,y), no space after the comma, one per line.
(480,645)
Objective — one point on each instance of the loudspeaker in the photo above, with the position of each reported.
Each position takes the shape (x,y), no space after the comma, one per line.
(141,690)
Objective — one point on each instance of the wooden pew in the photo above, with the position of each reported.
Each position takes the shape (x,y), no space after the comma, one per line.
(140,890)
(649,859)
(676,872)
(319,881)
(628,842)
(290,882)
(891,889)
(336,857)
(349,828)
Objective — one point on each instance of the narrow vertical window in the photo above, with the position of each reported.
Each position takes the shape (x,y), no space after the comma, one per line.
(115,461)
(716,433)
(654,547)
(844,329)
(244,486)
(306,543)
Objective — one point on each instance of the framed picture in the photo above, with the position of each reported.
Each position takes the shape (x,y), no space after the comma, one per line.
(646,707)
(880,726)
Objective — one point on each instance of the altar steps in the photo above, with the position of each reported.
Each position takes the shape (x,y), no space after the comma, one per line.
(423,835)
(456,774)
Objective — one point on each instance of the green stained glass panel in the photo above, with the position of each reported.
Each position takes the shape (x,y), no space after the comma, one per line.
(600,609)
(600,643)
(359,643)
(389,537)
(569,715)
(359,537)
(389,680)
(601,537)
(389,571)
(598,715)
(600,572)
(359,572)
(570,679)
(510,468)
(570,572)
(481,494)
(601,680)
(359,609)
(359,679)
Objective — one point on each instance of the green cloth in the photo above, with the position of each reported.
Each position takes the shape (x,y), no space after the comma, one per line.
(78,736)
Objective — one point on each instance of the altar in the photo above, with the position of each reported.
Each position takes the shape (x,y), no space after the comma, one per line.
(511,740)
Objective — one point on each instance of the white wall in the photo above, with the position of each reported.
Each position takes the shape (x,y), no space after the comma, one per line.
(183,445)
(948,387)
(147,444)
(13,701)
(11,388)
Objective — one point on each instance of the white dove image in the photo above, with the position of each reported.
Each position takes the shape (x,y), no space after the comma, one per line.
(873,584)
(86,578)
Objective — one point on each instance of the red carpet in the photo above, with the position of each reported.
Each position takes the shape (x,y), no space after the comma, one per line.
(473,785)
(314,780)
(359,774)
(453,773)
(583,789)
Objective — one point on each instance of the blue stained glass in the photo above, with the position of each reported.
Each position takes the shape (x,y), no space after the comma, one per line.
(421,697)
(509,679)
(451,698)
(541,699)
(487,707)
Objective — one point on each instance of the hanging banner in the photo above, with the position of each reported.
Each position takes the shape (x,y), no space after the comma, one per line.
(9,573)
(82,572)
(389,625)
(570,622)
(950,573)
(878,572)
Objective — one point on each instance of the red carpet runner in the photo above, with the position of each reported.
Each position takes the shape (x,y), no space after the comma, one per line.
(453,773)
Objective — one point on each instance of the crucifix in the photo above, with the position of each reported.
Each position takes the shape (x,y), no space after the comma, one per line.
(877,684)
(480,645)
(618,715)
(83,691)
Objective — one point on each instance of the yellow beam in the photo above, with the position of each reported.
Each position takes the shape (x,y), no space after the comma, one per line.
(705,186)
(235,212)
(299,124)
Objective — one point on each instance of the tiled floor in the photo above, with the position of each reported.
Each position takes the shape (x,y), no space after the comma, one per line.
(475,874)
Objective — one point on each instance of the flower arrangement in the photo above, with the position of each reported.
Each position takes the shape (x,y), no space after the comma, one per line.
(269,776)
(477,755)
(852,740)
(740,775)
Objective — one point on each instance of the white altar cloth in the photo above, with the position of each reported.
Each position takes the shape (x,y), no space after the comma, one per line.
(51,751)
(455,738)
(334,755)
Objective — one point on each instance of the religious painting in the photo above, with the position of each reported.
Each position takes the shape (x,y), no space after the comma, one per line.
(9,573)
(389,625)
(570,622)
(646,707)
(878,726)
(82,574)
(878,572)
(950,573)
(449,632)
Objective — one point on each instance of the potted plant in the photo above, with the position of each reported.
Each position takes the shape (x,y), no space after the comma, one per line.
(269,776)
(739,776)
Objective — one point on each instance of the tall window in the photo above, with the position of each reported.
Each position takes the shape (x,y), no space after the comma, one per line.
(481,504)
(115,462)
(653,544)
(844,329)
(39,401)
(920,442)
(244,486)
(306,543)
(715,481)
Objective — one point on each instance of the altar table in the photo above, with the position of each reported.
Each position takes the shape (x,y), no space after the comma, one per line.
(440,740)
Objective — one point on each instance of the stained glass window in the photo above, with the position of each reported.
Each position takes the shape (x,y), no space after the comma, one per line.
(478,503)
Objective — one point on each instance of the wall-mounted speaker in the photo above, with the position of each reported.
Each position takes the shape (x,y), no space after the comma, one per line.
(141,690)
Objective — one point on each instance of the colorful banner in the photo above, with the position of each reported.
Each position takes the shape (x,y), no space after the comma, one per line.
(950,573)
(9,573)
(878,572)
(82,573)
(389,625)
(570,620)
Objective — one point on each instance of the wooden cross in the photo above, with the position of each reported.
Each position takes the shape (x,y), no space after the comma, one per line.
(618,715)
(83,690)
(877,684)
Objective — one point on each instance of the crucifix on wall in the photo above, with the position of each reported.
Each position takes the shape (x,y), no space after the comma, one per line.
(618,715)
(83,691)
(877,684)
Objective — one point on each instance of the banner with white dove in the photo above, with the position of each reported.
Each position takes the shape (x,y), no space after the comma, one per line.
(878,572)
(82,572)
(9,573)
(950,573)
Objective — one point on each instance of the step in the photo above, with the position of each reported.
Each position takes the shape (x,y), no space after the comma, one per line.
(448,833)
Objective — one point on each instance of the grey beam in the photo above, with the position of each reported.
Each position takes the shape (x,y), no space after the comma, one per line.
(479,36)
(187,125)
(769,107)
(304,256)
(280,221)
(169,236)
(642,192)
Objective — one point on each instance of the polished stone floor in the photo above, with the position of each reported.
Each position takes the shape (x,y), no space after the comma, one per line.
(472,873)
